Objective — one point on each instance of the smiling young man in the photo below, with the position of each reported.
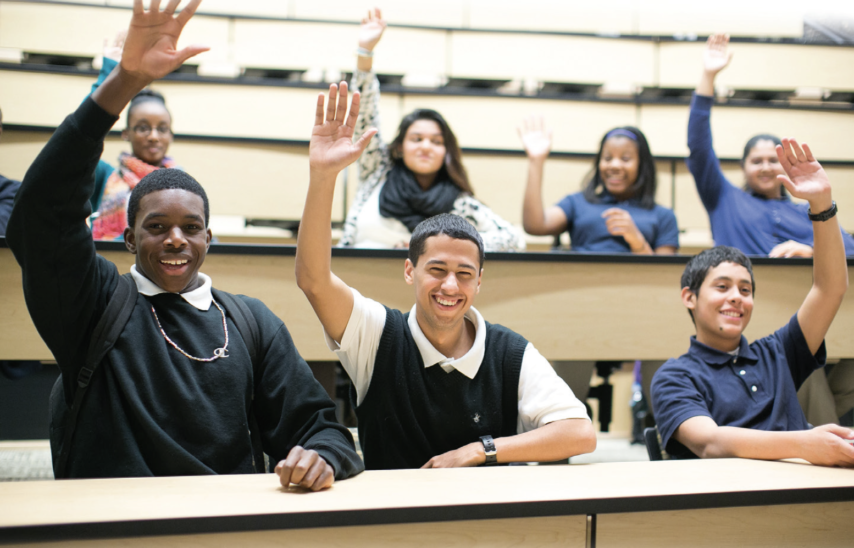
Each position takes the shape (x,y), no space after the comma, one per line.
(728,398)
(438,386)
(178,393)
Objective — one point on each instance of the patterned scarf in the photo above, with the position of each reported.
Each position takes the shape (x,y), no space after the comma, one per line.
(112,214)
(402,198)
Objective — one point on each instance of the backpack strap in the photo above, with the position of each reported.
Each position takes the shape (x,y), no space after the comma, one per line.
(104,337)
(247,325)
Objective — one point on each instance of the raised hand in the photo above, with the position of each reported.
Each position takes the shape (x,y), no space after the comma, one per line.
(331,148)
(536,137)
(715,56)
(150,49)
(371,30)
(113,50)
(806,178)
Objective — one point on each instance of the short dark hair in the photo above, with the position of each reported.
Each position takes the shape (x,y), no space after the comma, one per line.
(698,267)
(643,188)
(146,96)
(165,179)
(448,224)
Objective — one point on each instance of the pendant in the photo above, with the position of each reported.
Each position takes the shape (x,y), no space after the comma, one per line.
(220,353)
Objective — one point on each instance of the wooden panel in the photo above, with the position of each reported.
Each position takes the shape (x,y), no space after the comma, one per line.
(826,132)
(557,532)
(739,18)
(551,58)
(617,16)
(802,525)
(92,24)
(760,66)
(530,298)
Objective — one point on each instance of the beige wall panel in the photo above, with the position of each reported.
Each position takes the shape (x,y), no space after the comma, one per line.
(785,525)
(490,122)
(551,58)
(842,179)
(439,13)
(18,150)
(300,45)
(547,15)
(664,188)
(735,17)
(761,66)
(38,99)
(828,133)
(45,28)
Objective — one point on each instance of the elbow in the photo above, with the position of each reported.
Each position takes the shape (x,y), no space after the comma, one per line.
(305,281)
(588,440)
(534,228)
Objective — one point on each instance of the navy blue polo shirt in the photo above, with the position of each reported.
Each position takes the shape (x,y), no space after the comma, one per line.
(587,230)
(757,389)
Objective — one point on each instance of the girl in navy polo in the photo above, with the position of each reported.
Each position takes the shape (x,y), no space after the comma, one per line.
(616,212)
(760,219)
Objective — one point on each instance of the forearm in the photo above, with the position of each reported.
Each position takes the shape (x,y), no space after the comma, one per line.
(747,443)
(314,240)
(555,441)
(830,266)
(533,212)
(365,63)
(707,84)
(117,90)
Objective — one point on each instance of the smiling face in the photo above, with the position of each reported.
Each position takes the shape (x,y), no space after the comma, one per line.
(169,239)
(761,168)
(722,307)
(149,132)
(618,166)
(446,280)
(423,150)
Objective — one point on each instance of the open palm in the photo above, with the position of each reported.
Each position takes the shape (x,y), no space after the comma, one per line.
(806,178)
(331,147)
(150,49)
(372,29)
(536,137)
(715,56)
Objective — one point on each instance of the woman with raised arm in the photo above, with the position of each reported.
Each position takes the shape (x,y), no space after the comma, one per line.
(149,131)
(418,175)
(616,212)
(759,219)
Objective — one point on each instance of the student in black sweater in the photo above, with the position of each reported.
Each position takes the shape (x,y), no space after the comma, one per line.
(439,386)
(178,392)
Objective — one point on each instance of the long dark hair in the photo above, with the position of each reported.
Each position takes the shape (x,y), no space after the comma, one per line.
(643,188)
(452,167)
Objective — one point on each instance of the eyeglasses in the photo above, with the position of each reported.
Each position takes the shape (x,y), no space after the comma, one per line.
(144,130)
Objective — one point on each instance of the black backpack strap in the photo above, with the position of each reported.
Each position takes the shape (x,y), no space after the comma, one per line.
(104,337)
(247,325)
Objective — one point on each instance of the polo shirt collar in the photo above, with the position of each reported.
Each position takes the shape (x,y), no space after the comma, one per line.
(200,297)
(469,364)
(712,356)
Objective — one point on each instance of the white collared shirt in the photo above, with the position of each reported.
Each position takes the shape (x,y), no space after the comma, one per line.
(200,297)
(543,396)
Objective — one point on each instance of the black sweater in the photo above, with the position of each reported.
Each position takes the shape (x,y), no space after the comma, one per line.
(8,189)
(149,410)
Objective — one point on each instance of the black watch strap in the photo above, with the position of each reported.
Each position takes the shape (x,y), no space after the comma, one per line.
(824,215)
(489,450)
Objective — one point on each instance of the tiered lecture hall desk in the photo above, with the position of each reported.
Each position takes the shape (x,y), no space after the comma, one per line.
(728,502)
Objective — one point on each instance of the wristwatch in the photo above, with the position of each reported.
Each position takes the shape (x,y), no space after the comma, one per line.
(824,215)
(489,450)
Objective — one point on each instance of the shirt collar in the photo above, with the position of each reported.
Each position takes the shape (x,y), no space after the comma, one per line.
(200,297)
(713,356)
(469,364)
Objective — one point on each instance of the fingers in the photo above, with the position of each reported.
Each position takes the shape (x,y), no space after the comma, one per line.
(798,151)
(841,431)
(355,105)
(171,6)
(190,51)
(341,111)
(363,141)
(428,464)
(783,158)
(137,7)
(790,186)
(305,468)
(154,6)
(188,11)
(808,153)
(331,103)
(318,113)
(613,211)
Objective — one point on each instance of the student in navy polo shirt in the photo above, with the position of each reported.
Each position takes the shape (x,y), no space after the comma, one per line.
(437,387)
(727,398)
(616,212)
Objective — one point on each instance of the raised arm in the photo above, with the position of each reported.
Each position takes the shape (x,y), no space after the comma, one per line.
(537,220)
(808,180)
(703,162)
(366,83)
(331,149)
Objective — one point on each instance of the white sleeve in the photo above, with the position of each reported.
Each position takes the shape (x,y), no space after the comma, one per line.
(543,396)
(357,350)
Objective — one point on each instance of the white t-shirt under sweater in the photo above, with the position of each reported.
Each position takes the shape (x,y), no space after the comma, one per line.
(543,396)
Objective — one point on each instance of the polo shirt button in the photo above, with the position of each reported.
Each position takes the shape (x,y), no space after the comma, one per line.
(754,388)
(742,372)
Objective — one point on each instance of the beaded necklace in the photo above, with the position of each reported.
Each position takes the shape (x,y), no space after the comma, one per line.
(218,353)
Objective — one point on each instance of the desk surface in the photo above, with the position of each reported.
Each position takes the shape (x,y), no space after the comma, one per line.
(181,505)
(570,306)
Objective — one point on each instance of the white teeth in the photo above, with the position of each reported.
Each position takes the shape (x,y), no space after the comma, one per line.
(175,263)
(732,314)
(444,302)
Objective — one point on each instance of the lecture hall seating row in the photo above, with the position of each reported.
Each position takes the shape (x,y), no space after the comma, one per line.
(453,52)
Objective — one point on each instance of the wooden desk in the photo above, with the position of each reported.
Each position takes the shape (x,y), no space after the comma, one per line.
(629,504)
(571,306)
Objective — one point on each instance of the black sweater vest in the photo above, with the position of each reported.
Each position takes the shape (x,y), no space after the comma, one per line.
(412,413)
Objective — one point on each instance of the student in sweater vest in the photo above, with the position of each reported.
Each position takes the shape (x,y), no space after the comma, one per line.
(178,393)
(438,386)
